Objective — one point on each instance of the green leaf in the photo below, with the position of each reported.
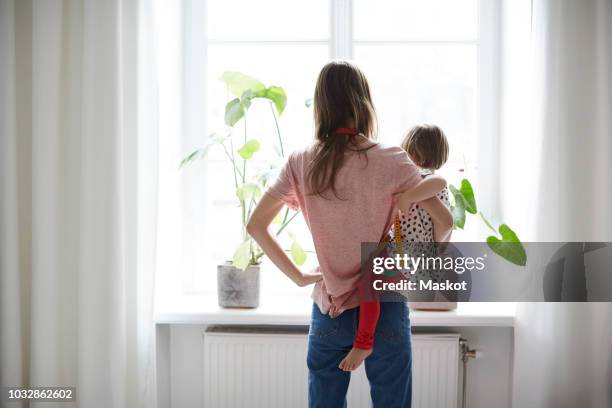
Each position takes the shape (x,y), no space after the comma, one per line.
(234,111)
(468,194)
(298,254)
(458,196)
(458,211)
(193,156)
(242,255)
(277,95)
(264,176)
(238,83)
(249,149)
(217,138)
(246,97)
(212,139)
(509,247)
(467,202)
(248,191)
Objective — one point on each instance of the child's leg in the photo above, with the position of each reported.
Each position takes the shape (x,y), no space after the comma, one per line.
(369,311)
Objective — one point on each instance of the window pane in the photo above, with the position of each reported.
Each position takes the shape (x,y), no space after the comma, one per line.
(414,84)
(416,19)
(268,20)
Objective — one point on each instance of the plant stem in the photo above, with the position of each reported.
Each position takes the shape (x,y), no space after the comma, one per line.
(250,208)
(231,159)
(280,139)
(487,223)
(245,140)
(285,223)
(286,215)
(252,253)
(282,151)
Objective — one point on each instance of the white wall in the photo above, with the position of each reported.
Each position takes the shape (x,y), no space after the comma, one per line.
(180,365)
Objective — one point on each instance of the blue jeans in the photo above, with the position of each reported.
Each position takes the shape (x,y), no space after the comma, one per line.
(388,368)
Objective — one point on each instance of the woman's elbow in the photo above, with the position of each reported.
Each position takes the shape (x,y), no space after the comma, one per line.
(252,227)
(255,228)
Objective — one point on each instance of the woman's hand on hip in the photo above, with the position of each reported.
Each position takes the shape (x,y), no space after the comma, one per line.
(312,276)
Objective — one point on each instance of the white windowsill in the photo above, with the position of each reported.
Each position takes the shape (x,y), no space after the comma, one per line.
(295,310)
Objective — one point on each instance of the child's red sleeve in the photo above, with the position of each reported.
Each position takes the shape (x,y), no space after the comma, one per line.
(369,311)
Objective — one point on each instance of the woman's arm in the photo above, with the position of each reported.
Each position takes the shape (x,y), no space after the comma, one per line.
(427,188)
(441,217)
(258,228)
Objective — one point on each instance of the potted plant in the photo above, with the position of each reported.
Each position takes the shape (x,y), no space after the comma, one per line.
(238,279)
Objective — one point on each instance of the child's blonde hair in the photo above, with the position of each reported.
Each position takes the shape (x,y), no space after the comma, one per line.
(427,146)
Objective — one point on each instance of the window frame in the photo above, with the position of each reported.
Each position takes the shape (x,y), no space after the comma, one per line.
(341,44)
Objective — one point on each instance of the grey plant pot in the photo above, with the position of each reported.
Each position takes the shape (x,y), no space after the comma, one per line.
(238,288)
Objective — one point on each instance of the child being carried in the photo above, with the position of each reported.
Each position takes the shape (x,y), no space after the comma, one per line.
(427,222)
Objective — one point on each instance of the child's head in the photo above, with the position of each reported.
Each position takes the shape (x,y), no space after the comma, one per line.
(341,100)
(427,146)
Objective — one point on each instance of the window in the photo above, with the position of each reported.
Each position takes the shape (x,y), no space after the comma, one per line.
(428,61)
(421,58)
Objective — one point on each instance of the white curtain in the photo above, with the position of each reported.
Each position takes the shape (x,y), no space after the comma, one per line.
(563,352)
(77,207)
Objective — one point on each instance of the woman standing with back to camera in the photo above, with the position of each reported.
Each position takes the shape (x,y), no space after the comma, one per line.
(349,189)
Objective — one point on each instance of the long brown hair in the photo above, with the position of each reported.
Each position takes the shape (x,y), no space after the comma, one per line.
(342,99)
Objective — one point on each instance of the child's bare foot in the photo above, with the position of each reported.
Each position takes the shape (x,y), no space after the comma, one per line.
(354,359)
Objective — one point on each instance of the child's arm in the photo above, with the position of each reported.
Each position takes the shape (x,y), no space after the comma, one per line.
(427,188)
(441,217)
(369,311)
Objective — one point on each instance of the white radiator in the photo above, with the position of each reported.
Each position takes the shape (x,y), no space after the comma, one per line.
(264,367)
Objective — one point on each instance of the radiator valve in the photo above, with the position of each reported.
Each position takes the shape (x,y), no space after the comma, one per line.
(467,352)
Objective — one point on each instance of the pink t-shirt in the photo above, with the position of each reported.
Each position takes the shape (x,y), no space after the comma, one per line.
(368,188)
